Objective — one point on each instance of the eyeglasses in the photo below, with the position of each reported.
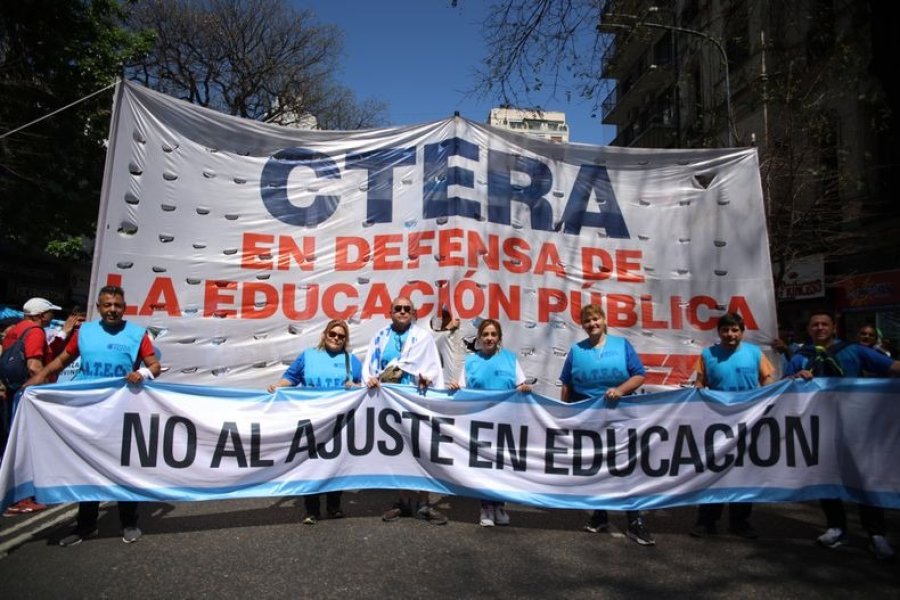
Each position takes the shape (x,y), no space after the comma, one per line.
(402,308)
(336,336)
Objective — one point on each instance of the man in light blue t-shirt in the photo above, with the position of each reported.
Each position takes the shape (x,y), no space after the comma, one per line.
(108,347)
(731,365)
(827,356)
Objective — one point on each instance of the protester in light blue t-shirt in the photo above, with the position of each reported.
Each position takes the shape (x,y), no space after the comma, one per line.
(604,366)
(405,353)
(491,368)
(731,365)
(827,356)
(108,347)
(328,365)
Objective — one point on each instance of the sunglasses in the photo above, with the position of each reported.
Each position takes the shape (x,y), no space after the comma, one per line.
(401,308)
(336,336)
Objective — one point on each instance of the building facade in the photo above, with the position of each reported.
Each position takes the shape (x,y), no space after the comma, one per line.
(545,124)
(809,84)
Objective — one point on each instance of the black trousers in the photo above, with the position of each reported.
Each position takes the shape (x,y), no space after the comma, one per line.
(738,512)
(89,511)
(871,517)
(313,504)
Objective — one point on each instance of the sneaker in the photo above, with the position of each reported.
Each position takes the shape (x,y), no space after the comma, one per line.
(701,530)
(336,514)
(501,517)
(597,523)
(427,513)
(638,532)
(879,546)
(13,510)
(401,509)
(487,516)
(744,530)
(77,536)
(131,534)
(834,537)
(24,507)
(30,506)
(35,505)
(310,519)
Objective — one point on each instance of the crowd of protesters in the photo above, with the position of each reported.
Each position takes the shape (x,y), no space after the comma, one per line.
(405,353)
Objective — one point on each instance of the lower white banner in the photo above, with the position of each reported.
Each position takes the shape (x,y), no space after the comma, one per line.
(792,441)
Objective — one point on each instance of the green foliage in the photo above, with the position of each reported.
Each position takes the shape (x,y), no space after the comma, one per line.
(53,53)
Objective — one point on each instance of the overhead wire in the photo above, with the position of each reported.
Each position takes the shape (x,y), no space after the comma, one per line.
(57,111)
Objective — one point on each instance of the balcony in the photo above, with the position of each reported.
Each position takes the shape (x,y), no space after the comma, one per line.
(630,95)
(627,38)
(626,48)
(655,132)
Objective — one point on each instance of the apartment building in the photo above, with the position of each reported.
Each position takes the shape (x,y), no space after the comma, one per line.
(546,124)
(810,84)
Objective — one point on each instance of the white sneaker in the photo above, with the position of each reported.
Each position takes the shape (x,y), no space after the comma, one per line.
(501,517)
(880,548)
(487,516)
(832,538)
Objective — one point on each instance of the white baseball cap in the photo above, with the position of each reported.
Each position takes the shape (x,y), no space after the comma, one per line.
(38,306)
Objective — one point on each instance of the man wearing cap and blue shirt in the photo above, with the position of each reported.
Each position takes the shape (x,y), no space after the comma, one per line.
(38,314)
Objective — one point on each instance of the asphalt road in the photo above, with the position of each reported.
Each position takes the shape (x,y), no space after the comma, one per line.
(258,548)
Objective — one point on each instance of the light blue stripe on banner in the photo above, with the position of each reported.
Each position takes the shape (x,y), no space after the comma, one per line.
(679,396)
(63,494)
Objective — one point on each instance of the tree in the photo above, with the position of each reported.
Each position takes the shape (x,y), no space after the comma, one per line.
(259,59)
(256,59)
(52,53)
(825,188)
(540,49)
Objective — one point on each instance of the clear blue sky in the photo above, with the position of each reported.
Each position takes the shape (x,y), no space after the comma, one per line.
(419,56)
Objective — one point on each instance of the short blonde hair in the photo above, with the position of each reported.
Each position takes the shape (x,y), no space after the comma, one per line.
(335,323)
(591,310)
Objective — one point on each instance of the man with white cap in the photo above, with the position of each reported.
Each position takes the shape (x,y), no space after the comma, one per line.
(38,314)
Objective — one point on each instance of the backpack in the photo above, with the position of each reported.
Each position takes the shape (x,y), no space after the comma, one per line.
(13,363)
(822,362)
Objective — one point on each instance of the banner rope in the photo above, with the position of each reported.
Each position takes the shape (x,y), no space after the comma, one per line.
(57,111)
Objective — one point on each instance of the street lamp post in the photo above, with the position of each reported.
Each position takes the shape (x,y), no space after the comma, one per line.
(640,22)
(718,44)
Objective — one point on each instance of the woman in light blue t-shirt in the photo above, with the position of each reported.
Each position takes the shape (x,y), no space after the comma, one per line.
(491,368)
(605,366)
(328,365)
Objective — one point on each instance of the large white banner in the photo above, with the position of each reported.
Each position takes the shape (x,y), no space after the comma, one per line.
(236,241)
(791,441)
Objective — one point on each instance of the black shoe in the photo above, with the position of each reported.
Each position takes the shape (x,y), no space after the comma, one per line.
(597,523)
(744,530)
(703,530)
(336,514)
(77,536)
(638,532)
